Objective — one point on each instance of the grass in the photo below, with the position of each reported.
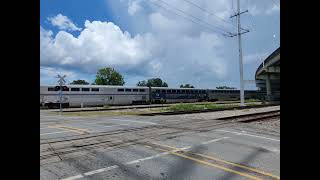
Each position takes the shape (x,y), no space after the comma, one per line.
(252,100)
(106,106)
(195,107)
(115,112)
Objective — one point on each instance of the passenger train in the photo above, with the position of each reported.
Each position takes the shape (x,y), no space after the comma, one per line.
(96,95)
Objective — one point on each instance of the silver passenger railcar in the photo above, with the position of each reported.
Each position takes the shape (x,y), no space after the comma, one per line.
(175,95)
(232,94)
(92,95)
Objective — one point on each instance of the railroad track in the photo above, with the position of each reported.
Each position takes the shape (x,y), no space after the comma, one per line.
(61,148)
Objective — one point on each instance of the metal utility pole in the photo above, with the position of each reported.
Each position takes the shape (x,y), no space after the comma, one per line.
(61,82)
(240,50)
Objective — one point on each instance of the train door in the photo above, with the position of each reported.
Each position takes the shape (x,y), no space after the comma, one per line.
(109,100)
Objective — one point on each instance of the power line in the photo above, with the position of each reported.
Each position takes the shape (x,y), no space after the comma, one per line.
(210,13)
(190,15)
(232,6)
(274,2)
(189,19)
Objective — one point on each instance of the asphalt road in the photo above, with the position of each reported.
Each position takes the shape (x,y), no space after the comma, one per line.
(161,147)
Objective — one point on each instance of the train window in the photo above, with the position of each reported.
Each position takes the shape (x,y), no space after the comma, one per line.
(95,89)
(135,90)
(57,88)
(85,89)
(75,89)
(174,91)
(142,90)
(183,91)
(203,91)
(191,91)
(195,91)
(169,91)
(163,91)
(51,89)
(178,91)
(188,91)
(157,90)
(65,88)
(120,90)
(110,97)
(128,90)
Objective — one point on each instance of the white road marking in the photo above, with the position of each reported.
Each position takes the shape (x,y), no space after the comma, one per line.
(91,122)
(53,133)
(100,170)
(144,122)
(136,161)
(272,149)
(245,134)
(45,128)
(74,177)
(214,140)
(45,123)
(117,125)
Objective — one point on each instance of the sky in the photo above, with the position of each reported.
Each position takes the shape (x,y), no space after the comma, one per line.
(179,41)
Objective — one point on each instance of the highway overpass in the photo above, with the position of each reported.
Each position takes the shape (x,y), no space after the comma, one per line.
(268,76)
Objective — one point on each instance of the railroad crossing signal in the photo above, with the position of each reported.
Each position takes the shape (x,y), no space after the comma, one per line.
(61,82)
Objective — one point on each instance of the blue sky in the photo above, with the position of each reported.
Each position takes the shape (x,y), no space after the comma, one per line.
(146,38)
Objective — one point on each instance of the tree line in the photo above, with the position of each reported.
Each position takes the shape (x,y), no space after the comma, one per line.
(109,76)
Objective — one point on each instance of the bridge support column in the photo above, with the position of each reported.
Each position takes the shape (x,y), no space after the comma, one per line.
(268,86)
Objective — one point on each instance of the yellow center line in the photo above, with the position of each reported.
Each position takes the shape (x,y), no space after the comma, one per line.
(211,164)
(224,161)
(72,129)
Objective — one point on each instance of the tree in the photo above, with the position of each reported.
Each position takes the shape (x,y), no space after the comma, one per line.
(142,83)
(186,86)
(154,82)
(79,82)
(108,76)
(224,87)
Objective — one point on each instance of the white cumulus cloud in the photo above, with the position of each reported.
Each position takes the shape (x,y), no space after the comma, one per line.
(63,23)
(134,7)
(263,8)
(99,44)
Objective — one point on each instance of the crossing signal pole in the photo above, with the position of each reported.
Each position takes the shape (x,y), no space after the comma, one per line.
(240,32)
(61,82)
